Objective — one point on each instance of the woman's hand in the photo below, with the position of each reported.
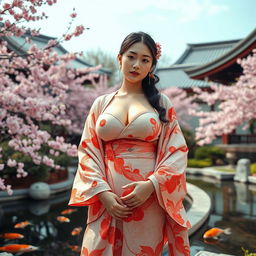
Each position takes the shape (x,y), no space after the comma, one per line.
(114,205)
(142,191)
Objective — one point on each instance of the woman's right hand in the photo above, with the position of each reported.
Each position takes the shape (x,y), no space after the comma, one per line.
(114,205)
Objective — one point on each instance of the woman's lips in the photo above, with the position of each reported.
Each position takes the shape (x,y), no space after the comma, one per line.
(134,73)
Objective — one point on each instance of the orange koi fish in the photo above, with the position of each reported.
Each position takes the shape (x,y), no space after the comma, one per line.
(75,248)
(68,211)
(63,219)
(14,248)
(76,231)
(215,232)
(22,224)
(10,236)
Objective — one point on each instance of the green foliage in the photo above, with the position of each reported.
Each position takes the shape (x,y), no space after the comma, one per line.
(247,253)
(211,152)
(191,142)
(253,168)
(192,162)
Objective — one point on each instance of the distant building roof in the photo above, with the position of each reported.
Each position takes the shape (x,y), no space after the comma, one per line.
(200,59)
(201,53)
(20,46)
(174,76)
(229,58)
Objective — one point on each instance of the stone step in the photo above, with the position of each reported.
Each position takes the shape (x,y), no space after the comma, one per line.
(206,253)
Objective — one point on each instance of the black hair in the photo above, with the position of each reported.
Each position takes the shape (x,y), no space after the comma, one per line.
(148,83)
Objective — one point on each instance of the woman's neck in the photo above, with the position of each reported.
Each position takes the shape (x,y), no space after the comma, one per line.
(131,88)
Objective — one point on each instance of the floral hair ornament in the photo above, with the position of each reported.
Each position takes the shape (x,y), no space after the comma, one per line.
(158,50)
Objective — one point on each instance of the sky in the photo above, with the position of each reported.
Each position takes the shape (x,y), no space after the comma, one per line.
(172,23)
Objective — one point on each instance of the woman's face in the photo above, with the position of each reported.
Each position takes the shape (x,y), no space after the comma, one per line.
(136,62)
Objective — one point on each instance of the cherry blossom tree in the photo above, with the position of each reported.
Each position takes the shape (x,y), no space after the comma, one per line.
(38,90)
(235,104)
(182,104)
(81,98)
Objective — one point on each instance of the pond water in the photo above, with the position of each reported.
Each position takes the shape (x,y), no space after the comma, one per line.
(46,232)
(234,206)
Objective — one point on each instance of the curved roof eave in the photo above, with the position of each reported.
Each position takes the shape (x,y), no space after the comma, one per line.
(240,50)
(199,46)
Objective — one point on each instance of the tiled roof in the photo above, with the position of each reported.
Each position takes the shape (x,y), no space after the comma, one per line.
(174,76)
(20,46)
(201,53)
(240,50)
(194,56)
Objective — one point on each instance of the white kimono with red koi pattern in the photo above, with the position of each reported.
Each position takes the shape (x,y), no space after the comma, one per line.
(112,155)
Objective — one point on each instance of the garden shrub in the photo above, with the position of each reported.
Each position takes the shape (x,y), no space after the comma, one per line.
(253,168)
(212,152)
(191,142)
(192,162)
(40,172)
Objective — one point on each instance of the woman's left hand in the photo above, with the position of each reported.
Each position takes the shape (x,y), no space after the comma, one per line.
(142,191)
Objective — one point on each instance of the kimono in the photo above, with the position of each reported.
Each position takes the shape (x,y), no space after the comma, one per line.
(107,165)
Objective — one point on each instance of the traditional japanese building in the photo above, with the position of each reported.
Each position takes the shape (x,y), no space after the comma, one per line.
(196,55)
(202,63)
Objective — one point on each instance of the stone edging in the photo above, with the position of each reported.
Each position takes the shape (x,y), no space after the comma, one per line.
(24,193)
(206,253)
(208,171)
(220,175)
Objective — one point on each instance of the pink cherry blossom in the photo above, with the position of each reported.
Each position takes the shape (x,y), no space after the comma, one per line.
(234,104)
(45,91)
(73,15)
(11,163)
(6,6)
(182,104)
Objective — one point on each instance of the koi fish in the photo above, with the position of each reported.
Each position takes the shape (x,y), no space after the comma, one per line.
(14,248)
(63,219)
(68,211)
(22,224)
(215,232)
(10,236)
(76,231)
(75,248)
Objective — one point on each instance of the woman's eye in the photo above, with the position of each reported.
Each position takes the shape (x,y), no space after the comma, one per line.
(146,60)
(130,57)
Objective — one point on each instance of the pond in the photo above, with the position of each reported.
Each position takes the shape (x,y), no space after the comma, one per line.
(46,232)
(233,205)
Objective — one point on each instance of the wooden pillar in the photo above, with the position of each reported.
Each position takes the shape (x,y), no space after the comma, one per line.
(224,139)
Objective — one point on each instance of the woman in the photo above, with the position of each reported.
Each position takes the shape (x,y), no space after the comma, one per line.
(132,159)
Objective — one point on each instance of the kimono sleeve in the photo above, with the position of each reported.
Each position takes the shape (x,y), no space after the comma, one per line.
(169,177)
(90,176)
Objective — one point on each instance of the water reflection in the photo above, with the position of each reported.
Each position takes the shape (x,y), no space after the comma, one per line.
(53,237)
(234,206)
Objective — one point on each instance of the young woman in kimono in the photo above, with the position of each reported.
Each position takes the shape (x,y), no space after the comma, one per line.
(132,160)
